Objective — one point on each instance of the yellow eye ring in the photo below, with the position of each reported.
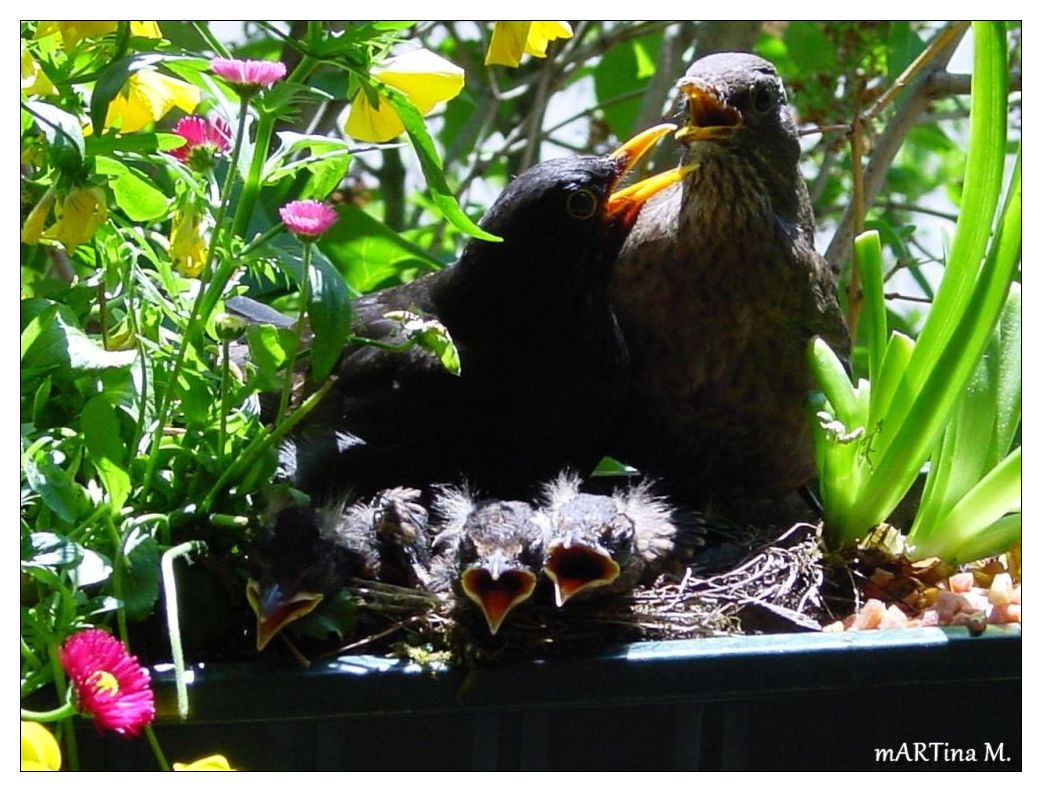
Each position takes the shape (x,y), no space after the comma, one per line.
(582,204)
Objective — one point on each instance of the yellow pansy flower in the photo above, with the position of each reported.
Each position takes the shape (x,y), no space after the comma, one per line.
(425,78)
(34,80)
(187,242)
(39,748)
(147,97)
(79,216)
(72,31)
(511,40)
(215,762)
(33,228)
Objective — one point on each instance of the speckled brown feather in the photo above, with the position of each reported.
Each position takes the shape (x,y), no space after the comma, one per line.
(718,290)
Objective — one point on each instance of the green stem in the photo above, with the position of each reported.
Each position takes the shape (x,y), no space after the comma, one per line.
(67,726)
(222,427)
(150,735)
(67,710)
(198,316)
(265,129)
(118,543)
(262,442)
(304,295)
(29,656)
(173,621)
(261,239)
(203,29)
(252,185)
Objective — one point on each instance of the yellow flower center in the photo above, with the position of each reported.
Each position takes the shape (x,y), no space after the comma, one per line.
(104,682)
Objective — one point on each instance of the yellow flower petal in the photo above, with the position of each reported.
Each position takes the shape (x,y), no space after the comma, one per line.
(34,80)
(372,124)
(79,216)
(33,228)
(215,762)
(424,77)
(73,31)
(147,97)
(146,30)
(542,33)
(512,39)
(39,748)
(508,43)
(187,242)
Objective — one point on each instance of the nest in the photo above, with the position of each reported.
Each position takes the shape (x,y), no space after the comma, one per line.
(770,584)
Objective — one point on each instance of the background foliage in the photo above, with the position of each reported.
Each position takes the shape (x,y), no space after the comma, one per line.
(140,430)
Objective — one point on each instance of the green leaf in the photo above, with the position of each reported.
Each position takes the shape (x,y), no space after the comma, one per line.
(984,167)
(337,615)
(52,338)
(809,47)
(140,569)
(329,310)
(431,336)
(63,132)
(430,163)
(369,253)
(56,487)
(870,263)
(269,351)
(622,70)
(903,46)
(138,199)
(140,142)
(1008,387)
(54,552)
(994,496)
(108,453)
(326,164)
(832,379)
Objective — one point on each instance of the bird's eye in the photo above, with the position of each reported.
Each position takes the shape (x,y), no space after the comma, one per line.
(582,204)
(763,99)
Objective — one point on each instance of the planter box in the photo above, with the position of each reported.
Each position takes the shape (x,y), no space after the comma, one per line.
(794,702)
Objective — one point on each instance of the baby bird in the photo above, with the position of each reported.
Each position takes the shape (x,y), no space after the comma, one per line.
(611,542)
(313,552)
(489,551)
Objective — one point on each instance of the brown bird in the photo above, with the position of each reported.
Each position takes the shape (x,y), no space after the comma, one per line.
(488,552)
(718,289)
(611,543)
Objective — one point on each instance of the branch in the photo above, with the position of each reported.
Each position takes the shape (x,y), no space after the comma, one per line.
(887,146)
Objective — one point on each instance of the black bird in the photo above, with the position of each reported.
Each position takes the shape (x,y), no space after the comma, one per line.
(612,543)
(543,364)
(718,289)
(489,551)
(313,552)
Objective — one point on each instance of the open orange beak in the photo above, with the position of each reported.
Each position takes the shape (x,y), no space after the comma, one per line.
(575,567)
(624,205)
(709,116)
(497,594)
(274,610)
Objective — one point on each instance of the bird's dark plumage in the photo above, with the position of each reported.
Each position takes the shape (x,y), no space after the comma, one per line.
(611,543)
(489,551)
(313,552)
(718,290)
(543,364)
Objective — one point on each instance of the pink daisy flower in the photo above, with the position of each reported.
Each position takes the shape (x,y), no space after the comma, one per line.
(110,683)
(249,73)
(308,218)
(203,139)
